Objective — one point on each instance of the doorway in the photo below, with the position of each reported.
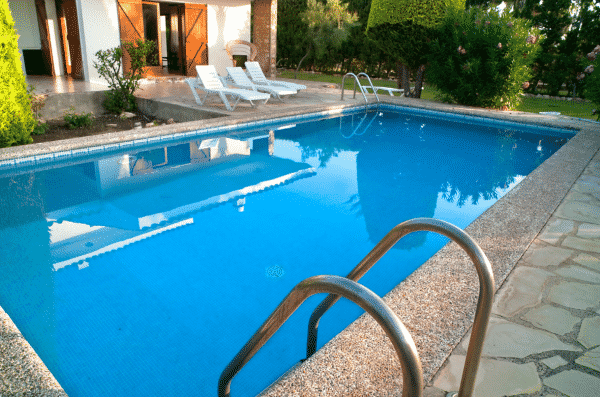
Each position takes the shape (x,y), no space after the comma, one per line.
(179,30)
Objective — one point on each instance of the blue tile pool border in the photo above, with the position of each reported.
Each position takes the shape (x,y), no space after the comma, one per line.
(81,153)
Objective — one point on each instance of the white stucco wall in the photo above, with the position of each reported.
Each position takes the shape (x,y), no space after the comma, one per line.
(98,30)
(227,20)
(24,15)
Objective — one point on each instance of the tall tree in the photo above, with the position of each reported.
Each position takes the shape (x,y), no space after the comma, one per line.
(403,29)
(328,26)
(553,17)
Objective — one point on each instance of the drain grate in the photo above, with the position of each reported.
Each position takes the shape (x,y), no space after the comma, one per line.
(274,272)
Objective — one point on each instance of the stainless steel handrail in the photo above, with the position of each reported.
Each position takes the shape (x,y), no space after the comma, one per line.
(370,82)
(412,373)
(486,289)
(355,81)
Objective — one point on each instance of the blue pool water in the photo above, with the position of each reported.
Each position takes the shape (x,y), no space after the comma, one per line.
(143,272)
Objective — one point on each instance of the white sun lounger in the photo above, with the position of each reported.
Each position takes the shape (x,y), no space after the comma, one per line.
(257,76)
(389,90)
(209,81)
(237,77)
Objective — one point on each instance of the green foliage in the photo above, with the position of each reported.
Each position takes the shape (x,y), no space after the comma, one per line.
(591,74)
(426,13)
(123,85)
(40,128)
(482,58)
(291,31)
(16,119)
(76,120)
(328,26)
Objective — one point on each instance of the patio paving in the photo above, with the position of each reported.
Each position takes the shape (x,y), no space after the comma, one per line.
(543,239)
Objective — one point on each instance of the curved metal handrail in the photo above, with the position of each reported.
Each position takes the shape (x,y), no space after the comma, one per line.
(355,81)
(370,82)
(412,373)
(484,303)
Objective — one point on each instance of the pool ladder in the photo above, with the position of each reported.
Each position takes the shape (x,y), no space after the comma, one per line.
(348,287)
(362,89)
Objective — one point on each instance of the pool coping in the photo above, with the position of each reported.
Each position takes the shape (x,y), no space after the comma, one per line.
(360,361)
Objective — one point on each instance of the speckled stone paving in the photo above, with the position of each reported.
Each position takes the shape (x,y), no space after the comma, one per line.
(543,338)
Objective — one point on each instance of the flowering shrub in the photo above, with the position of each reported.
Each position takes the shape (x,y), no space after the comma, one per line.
(592,76)
(481,58)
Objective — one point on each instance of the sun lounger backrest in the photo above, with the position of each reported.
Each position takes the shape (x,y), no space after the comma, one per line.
(238,76)
(256,72)
(209,77)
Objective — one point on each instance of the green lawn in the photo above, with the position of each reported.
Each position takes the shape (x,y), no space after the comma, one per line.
(531,105)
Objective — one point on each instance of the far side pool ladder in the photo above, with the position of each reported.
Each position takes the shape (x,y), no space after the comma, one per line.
(348,287)
(362,89)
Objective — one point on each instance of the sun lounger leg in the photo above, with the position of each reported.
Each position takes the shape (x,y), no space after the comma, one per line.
(226,102)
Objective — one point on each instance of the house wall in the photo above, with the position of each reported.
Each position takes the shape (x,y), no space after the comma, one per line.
(99,30)
(26,25)
(227,20)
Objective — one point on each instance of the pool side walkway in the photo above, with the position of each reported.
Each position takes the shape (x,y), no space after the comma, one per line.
(542,238)
(544,335)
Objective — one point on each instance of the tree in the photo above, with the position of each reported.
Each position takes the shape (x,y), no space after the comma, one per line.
(16,118)
(291,31)
(328,26)
(403,29)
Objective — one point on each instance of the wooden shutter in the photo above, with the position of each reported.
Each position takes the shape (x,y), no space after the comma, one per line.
(70,36)
(196,37)
(131,23)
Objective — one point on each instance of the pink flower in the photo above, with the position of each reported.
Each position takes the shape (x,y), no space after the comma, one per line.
(532,39)
(580,76)
(597,49)
(589,69)
(461,50)
(487,23)
(499,46)
(591,56)
(526,85)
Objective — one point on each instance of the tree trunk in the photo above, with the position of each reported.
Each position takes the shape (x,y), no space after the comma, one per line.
(419,82)
(302,60)
(404,72)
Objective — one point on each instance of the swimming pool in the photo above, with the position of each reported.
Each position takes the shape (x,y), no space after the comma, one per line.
(210,235)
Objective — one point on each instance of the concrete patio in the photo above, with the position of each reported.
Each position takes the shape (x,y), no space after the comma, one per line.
(543,240)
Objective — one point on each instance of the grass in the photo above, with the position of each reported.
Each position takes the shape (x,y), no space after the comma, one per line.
(530,105)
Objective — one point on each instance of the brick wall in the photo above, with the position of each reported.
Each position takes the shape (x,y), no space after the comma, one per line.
(265,34)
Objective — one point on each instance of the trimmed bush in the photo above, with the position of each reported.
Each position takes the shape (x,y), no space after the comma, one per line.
(481,58)
(16,119)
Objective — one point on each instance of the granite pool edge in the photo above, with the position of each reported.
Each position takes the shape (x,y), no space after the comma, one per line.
(24,373)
